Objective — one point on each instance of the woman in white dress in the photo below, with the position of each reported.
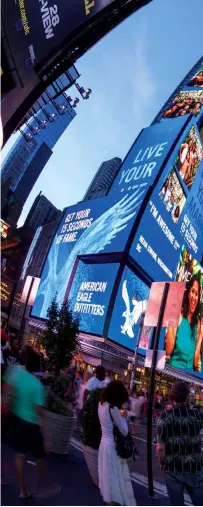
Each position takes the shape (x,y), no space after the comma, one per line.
(114,477)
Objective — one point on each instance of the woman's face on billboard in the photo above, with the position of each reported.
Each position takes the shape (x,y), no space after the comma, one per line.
(193,297)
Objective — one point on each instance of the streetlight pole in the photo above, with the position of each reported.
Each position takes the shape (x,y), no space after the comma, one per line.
(141,324)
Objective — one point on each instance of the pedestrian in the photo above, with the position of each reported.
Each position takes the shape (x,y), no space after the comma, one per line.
(144,409)
(85,377)
(96,381)
(179,447)
(30,432)
(114,476)
(11,353)
(134,413)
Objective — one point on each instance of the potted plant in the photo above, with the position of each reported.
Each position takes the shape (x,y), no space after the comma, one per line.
(60,423)
(60,343)
(91,433)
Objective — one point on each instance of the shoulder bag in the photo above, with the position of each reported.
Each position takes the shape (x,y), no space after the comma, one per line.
(124,444)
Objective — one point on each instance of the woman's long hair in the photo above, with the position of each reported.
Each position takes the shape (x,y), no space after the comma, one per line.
(185,305)
(115,394)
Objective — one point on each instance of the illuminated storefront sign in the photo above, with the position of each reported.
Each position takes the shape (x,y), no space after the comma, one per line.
(6,291)
(4,228)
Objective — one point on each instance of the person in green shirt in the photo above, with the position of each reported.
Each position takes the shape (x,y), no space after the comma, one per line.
(25,395)
(184,343)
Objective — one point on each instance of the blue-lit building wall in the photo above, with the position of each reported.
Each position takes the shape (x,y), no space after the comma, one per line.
(23,151)
(107,252)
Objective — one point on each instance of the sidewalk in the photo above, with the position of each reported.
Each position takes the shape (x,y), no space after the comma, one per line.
(72,474)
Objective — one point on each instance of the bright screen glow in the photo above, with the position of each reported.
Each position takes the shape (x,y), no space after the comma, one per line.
(131,301)
(90,294)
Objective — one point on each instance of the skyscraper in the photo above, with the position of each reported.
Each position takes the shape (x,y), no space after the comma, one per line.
(27,146)
(103,179)
(42,212)
(42,128)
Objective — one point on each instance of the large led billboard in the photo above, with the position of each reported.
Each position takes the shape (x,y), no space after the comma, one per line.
(130,302)
(189,99)
(90,294)
(36,29)
(184,344)
(145,159)
(104,225)
(174,213)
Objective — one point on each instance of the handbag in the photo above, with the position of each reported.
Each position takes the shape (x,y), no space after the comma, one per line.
(124,444)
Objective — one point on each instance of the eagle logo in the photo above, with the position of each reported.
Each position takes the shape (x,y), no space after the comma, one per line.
(131,318)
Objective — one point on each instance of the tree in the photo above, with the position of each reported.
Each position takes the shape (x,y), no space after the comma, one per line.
(60,336)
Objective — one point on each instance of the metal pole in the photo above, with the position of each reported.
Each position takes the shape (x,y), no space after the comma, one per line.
(21,330)
(156,335)
(136,349)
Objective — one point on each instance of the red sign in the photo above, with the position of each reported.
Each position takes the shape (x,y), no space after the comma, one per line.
(173,304)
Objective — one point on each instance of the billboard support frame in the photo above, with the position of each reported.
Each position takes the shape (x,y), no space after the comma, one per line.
(155,345)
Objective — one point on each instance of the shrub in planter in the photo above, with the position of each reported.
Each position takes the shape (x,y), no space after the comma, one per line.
(61,422)
(91,433)
(56,405)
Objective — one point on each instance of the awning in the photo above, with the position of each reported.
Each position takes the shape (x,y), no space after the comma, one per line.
(77,358)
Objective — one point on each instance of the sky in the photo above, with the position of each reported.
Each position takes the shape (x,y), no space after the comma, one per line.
(132,71)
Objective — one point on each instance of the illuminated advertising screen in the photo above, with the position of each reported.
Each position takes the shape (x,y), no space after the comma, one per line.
(189,157)
(104,225)
(144,160)
(90,294)
(186,102)
(130,302)
(74,237)
(197,80)
(36,29)
(172,195)
(174,214)
(184,344)
(191,225)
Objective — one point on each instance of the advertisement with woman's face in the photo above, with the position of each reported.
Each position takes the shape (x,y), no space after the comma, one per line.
(184,344)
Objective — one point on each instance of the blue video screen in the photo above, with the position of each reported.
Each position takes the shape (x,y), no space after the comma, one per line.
(144,160)
(103,225)
(174,213)
(130,302)
(90,294)
(183,344)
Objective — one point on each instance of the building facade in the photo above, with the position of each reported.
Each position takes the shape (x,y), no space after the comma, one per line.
(103,179)
(32,266)
(107,252)
(42,127)
(42,212)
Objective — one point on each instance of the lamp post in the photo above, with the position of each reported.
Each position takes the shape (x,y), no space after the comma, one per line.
(84,93)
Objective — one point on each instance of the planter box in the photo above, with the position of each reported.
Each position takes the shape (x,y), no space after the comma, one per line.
(60,429)
(91,458)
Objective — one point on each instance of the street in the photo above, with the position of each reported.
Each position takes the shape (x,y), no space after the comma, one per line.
(73,476)
(71,473)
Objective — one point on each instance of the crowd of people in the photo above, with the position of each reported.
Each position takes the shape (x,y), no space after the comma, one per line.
(180,107)
(178,426)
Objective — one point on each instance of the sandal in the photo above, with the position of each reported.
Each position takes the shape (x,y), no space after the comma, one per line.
(27,496)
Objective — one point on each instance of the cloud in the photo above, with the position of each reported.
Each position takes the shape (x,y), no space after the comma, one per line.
(144,84)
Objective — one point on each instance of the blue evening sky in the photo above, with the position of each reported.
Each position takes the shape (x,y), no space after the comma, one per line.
(131,72)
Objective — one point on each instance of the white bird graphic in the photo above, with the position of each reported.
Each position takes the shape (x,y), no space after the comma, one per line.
(131,318)
(92,241)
